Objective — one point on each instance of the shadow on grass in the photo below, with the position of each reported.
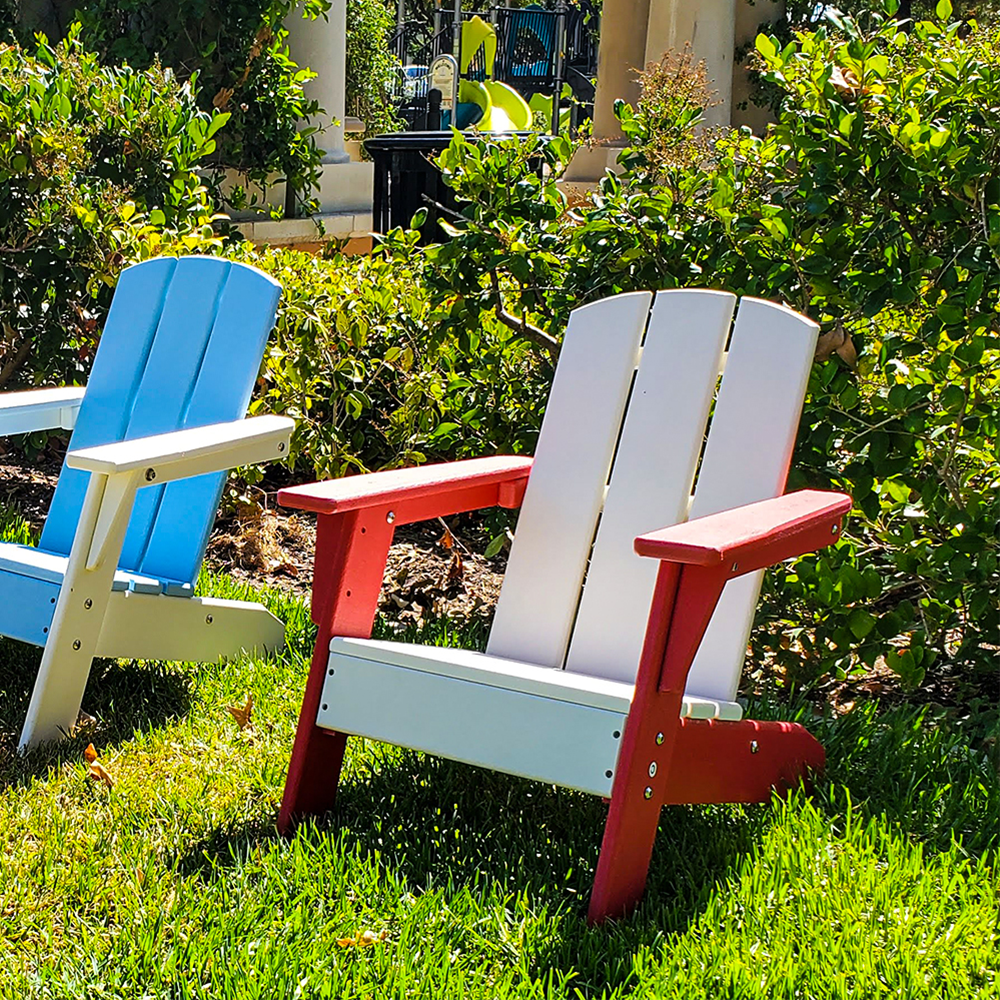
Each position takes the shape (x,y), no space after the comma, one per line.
(437,824)
(122,698)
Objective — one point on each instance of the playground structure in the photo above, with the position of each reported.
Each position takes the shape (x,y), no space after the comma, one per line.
(514,64)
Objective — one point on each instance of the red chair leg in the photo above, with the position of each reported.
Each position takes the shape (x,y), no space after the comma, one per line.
(317,755)
(351,551)
(636,797)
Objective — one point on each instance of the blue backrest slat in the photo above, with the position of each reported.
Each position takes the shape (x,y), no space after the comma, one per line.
(114,379)
(222,392)
(181,348)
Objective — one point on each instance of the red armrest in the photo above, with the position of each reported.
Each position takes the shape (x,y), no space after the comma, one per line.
(753,536)
(397,486)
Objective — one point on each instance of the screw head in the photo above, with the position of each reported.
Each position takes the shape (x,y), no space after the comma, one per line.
(834,529)
(652,768)
(659,739)
(208,619)
(754,746)
(150,475)
(76,643)
(281,447)
(647,792)
(88,603)
(390,517)
(736,566)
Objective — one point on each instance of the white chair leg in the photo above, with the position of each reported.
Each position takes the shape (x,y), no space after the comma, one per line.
(80,609)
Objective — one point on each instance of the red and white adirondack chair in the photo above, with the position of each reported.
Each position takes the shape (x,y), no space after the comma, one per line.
(614,658)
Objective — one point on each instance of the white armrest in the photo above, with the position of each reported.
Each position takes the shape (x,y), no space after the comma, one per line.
(39,409)
(181,454)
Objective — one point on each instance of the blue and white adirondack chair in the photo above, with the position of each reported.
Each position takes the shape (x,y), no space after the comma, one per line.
(114,571)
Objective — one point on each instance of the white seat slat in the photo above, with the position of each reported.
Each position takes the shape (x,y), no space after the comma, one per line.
(746,459)
(512,675)
(541,589)
(653,474)
(546,739)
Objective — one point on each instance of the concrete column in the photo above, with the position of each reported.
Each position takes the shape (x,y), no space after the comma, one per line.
(620,57)
(321,44)
(709,26)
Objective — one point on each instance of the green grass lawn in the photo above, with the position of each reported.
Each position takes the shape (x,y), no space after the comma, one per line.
(173,883)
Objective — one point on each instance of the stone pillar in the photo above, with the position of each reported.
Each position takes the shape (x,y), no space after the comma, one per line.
(321,44)
(709,26)
(620,57)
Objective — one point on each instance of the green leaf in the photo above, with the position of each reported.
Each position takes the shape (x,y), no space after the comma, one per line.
(860,622)
(943,10)
(765,46)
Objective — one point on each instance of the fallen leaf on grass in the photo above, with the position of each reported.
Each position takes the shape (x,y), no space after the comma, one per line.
(362,939)
(447,540)
(95,769)
(241,713)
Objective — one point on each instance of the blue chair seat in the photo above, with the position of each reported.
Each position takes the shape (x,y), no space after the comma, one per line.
(30,580)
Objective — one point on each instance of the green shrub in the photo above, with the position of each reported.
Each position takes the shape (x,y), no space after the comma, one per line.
(96,171)
(239,52)
(874,206)
(352,359)
(370,65)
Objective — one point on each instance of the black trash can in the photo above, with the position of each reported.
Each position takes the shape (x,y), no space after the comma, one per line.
(404,173)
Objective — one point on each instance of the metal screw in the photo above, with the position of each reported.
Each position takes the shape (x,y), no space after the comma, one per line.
(754,747)
(736,566)
(76,643)
(208,619)
(607,774)
(652,768)
(88,603)
(647,792)
(150,475)
(659,738)
(833,530)
(390,517)
(331,672)
(281,447)
(325,707)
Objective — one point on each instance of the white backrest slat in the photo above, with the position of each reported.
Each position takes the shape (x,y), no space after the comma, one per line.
(746,459)
(555,529)
(654,469)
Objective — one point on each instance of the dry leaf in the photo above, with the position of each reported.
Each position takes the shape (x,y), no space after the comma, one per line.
(447,540)
(99,772)
(836,341)
(90,754)
(845,81)
(456,568)
(222,98)
(242,713)
(848,353)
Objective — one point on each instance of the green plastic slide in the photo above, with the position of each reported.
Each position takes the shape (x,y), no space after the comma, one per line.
(501,108)
(488,105)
